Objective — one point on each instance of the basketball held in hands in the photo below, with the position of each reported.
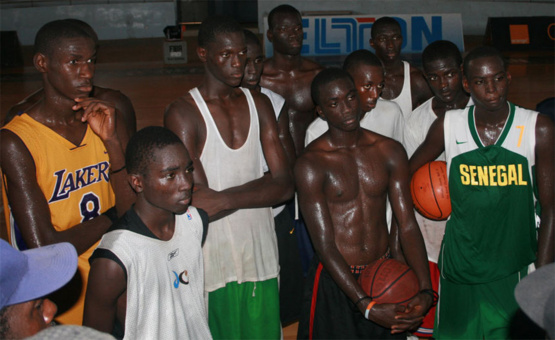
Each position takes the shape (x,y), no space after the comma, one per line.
(389,281)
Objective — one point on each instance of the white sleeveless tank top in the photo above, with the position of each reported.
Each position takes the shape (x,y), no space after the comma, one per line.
(242,246)
(404,99)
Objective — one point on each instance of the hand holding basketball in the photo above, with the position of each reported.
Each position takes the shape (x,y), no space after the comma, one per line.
(429,188)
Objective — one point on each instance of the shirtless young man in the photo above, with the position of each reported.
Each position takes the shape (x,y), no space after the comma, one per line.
(63,160)
(404,83)
(224,127)
(120,101)
(288,73)
(343,179)
(500,167)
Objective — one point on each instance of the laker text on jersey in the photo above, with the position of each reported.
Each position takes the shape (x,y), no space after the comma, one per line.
(67,182)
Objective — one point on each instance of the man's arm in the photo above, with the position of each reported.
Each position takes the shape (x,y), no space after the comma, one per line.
(106,284)
(124,107)
(431,148)
(310,179)
(545,170)
(420,90)
(285,135)
(112,130)
(29,206)
(266,191)
(410,236)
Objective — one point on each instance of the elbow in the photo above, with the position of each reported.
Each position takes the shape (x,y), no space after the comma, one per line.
(287,189)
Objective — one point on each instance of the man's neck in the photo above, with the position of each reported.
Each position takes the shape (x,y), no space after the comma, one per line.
(287,62)
(214,89)
(344,139)
(394,66)
(160,222)
(460,101)
(492,118)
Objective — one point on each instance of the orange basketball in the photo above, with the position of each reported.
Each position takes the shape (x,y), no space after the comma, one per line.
(389,281)
(430,191)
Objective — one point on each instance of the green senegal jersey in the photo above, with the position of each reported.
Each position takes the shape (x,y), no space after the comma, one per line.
(491,232)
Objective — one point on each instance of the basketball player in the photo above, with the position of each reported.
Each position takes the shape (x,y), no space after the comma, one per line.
(442,63)
(224,127)
(497,153)
(404,83)
(121,102)
(343,179)
(290,269)
(379,115)
(287,72)
(63,159)
(148,266)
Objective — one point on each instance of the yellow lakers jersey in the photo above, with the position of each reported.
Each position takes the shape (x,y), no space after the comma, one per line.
(75,182)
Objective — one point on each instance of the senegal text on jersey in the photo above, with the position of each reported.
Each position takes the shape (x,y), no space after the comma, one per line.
(67,183)
(492,175)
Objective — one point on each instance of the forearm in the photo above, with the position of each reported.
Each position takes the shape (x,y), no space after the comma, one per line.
(118,176)
(546,235)
(266,191)
(414,251)
(81,236)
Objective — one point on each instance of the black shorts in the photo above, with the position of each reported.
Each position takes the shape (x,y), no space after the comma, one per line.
(333,315)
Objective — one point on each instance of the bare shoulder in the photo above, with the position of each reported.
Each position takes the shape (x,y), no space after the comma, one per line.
(183,108)
(544,128)
(310,65)
(386,146)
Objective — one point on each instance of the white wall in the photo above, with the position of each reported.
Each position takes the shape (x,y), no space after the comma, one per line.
(110,21)
(474,13)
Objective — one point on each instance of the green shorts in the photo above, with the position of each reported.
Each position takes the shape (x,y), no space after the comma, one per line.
(479,311)
(249,310)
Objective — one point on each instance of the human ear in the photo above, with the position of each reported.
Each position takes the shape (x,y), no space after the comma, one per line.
(136,182)
(40,61)
(201,52)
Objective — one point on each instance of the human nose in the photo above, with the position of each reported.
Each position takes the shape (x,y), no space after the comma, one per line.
(238,61)
(49,310)
(87,70)
(373,92)
(443,82)
(490,88)
(249,67)
(185,182)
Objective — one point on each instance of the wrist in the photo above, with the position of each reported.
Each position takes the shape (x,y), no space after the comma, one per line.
(432,294)
(368,309)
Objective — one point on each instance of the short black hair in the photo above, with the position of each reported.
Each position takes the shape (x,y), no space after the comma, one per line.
(4,322)
(281,9)
(251,38)
(441,49)
(49,33)
(215,25)
(361,57)
(324,77)
(481,52)
(383,21)
(140,149)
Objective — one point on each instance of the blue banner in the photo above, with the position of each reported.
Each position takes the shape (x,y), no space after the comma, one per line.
(342,34)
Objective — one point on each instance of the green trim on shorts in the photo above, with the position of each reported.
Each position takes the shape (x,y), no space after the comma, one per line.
(249,310)
(479,311)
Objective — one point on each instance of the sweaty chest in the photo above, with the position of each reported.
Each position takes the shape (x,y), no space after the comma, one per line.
(233,123)
(355,176)
(393,86)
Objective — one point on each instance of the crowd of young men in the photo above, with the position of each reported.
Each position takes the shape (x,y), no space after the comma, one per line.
(191,223)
